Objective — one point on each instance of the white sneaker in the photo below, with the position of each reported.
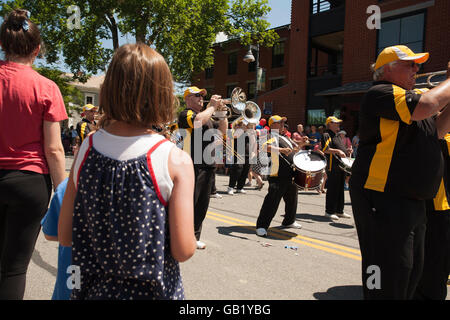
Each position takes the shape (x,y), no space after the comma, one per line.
(295,225)
(201,245)
(216,195)
(331,216)
(261,232)
(230,191)
(241,191)
(343,215)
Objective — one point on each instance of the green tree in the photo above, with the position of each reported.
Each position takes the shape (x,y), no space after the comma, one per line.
(183,31)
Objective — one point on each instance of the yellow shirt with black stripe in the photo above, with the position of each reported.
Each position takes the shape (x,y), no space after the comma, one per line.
(441,201)
(279,168)
(396,154)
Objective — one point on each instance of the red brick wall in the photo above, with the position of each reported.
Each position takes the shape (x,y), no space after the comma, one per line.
(295,107)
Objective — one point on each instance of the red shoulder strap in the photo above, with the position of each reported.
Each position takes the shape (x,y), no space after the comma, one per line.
(84,159)
(152,173)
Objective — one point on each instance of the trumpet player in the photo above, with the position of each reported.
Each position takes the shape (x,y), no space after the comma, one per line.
(197,121)
(398,167)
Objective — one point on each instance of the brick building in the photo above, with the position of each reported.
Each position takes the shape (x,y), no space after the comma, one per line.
(326,53)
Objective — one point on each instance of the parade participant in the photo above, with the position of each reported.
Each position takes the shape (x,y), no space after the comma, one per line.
(241,159)
(334,147)
(31,151)
(196,120)
(87,123)
(436,268)
(130,191)
(281,185)
(398,167)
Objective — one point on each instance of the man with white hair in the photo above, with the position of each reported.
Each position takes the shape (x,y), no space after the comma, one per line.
(399,166)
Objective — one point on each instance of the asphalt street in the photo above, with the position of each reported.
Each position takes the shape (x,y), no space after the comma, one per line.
(321,261)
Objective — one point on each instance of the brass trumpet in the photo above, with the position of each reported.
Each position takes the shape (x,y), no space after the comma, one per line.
(430,75)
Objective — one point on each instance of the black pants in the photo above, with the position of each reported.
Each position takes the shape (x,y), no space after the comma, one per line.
(436,268)
(238,174)
(334,199)
(24,198)
(278,189)
(203,183)
(391,234)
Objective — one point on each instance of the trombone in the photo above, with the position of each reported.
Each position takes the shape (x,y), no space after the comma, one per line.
(430,75)
(246,110)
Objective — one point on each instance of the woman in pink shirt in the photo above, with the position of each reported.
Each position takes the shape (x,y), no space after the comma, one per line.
(31,151)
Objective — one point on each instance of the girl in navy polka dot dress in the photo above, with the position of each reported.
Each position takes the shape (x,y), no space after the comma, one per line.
(128,207)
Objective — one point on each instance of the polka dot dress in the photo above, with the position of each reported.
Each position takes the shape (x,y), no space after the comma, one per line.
(120,232)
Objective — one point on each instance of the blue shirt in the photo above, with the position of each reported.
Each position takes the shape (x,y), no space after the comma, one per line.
(50,227)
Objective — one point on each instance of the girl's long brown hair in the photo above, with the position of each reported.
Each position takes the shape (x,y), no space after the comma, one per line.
(138,87)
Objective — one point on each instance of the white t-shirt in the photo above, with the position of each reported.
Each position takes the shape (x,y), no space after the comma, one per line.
(126,148)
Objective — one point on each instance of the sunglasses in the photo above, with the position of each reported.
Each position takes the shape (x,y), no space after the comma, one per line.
(197,95)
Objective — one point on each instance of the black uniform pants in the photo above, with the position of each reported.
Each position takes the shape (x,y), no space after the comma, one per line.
(436,269)
(334,199)
(391,234)
(204,178)
(279,189)
(238,175)
(24,198)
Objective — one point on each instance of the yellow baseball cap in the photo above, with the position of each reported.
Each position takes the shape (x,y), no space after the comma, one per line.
(193,90)
(88,107)
(399,52)
(332,119)
(276,118)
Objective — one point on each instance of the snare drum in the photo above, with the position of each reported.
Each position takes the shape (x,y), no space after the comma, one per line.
(310,169)
(345,164)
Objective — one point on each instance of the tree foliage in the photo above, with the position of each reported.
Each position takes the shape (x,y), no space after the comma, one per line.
(183,31)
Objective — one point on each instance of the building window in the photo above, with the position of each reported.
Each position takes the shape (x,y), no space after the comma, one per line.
(278,55)
(408,31)
(232,63)
(250,90)
(276,83)
(89,100)
(209,73)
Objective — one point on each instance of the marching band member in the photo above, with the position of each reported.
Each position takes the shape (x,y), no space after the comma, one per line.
(281,184)
(332,146)
(398,167)
(196,122)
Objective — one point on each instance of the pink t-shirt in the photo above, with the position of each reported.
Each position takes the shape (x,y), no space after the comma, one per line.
(26,100)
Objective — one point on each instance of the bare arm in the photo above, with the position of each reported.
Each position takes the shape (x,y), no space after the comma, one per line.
(433,101)
(181,206)
(54,152)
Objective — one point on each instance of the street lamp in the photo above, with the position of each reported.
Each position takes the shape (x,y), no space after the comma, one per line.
(249,57)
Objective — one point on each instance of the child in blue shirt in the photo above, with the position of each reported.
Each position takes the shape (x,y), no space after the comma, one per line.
(50,228)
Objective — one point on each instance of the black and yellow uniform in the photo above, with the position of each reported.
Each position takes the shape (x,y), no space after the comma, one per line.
(436,268)
(398,167)
(281,185)
(83,128)
(334,200)
(241,159)
(194,144)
